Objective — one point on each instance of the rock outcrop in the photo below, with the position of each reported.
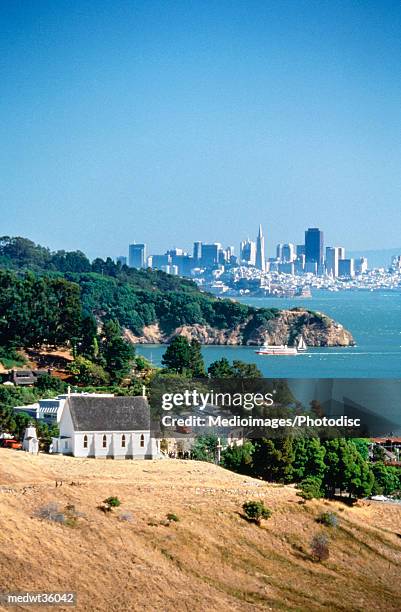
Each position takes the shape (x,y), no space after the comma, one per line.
(316,328)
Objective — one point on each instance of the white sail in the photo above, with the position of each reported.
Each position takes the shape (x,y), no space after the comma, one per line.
(301,346)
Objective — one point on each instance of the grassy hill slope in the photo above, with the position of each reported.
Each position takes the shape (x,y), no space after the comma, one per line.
(211,559)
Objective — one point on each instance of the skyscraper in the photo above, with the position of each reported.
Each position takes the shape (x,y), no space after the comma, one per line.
(346,268)
(197,252)
(210,254)
(314,246)
(286,252)
(137,255)
(332,258)
(260,250)
(248,252)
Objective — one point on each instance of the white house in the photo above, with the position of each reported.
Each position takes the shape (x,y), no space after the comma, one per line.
(106,427)
(51,409)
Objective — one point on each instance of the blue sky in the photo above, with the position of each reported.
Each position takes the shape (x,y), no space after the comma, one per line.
(169,122)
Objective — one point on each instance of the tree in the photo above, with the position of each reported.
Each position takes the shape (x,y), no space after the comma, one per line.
(346,469)
(197,365)
(118,354)
(309,458)
(221,369)
(362,446)
(88,345)
(205,448)
(177,357)
(310,488)
(238,458)
(256,511)
(245,370)
(387,478)
(184,357)
(86,372)
(51,384)
(273,459)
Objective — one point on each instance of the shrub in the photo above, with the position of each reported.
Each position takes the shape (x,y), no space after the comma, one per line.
(126,516)
(50,512)
(172,517)
(320,547)
(71,515)
(256,511)
(310,488)
(330,519)
(112,501)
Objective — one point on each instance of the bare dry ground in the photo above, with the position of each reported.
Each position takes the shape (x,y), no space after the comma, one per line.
(211,559)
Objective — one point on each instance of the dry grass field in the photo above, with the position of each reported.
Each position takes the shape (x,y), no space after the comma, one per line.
(211,559)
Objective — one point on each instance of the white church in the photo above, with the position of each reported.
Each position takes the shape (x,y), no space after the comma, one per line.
(106,427)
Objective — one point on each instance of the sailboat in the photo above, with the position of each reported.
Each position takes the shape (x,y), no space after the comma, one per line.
(283,349)
(301,345)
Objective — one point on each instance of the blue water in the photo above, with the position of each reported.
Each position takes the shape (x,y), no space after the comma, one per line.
(373,318)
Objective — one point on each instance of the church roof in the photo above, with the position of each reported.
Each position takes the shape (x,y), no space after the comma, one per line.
(109,413)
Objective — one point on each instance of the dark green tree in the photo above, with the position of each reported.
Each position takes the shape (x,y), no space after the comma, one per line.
(238,458)
(309,456)
(177,357)
(245,370)
(184,357)
(346,469)
(273,459)
(221,369)
(387,478)
(117,354)
(197,365)
(205,448)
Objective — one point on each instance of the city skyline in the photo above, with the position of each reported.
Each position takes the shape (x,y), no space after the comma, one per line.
(134,119)
(311,256)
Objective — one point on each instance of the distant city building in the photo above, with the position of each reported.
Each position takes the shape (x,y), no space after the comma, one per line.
(396,262)
(300,250)
(341,253)
(210,254)
(137,255)
(286,252)
(346,267)
(260,250)
(176,252)
(197,252)
(299,264)
(310,267)
(158,261)
(332,259)
(170,269)
(286,267)
(314,245)
(361,265)
(248,252)
(121,259)
(229,253)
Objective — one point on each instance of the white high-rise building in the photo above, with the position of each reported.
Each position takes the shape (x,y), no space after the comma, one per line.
(361,265)
(288,252)
(332,258)
(248,252)
(260,250)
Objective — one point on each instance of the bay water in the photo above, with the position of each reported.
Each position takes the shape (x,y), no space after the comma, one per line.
(373,318)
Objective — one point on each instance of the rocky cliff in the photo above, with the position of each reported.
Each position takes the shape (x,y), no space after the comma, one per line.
(316,328)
